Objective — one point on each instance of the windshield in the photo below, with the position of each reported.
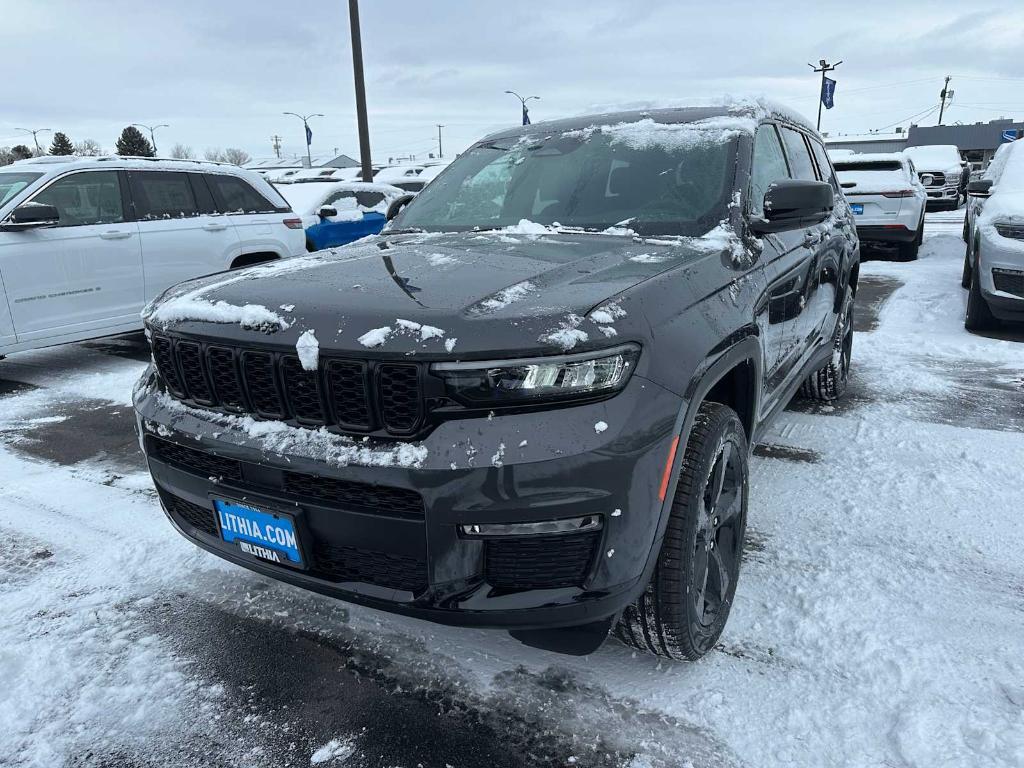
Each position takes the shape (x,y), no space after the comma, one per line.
(12,183)
(657,179)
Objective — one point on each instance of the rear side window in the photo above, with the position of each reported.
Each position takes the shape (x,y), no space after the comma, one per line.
(92,197)
(800,162)
(769,166)
(234,195)
(162,195)
(824,166)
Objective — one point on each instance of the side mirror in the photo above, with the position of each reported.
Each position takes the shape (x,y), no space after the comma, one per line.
(793,204)
(30,216)
(326,211)
(397,205)
(980,188)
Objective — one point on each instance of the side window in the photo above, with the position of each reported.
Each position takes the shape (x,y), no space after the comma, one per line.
(768,167)
(799,160)
(234,195)
(824,165)
(369,199)
(92,197)
(162,195)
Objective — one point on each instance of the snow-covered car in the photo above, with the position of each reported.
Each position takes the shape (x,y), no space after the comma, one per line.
(86,242)
(994,260)
(338,213)
(942,172)
(887,199)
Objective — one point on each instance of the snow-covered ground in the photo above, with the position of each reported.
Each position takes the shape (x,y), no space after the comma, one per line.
(879,619)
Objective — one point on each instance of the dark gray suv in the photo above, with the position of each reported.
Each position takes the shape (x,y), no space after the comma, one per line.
(530,402)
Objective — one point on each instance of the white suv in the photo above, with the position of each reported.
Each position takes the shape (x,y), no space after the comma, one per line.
(85,243)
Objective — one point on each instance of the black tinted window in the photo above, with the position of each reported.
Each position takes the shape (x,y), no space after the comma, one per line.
(234,195)
(162,195)
(800,163)
(93,197)
(769,166)
(868,166)
(824,166)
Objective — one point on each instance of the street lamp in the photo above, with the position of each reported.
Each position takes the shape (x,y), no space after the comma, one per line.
(522,101)
(309,133)
(35,132)
(152,129)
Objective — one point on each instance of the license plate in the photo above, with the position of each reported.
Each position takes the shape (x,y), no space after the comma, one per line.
(267,535)
(857,208)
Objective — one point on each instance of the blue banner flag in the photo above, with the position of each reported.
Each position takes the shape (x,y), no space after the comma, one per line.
(526,115)
(309,135)
(828,92)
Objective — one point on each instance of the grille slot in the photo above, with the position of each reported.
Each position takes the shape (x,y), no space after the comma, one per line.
(164,358)
(258,369)
(1009,282)
(335,563)
(227,386)
(191,460)
(399,389)
(303,390)
(378,499)
(190,357)
(349,394)
(198,517)
(540,562)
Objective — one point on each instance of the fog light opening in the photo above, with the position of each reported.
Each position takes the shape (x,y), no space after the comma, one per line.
(583,524)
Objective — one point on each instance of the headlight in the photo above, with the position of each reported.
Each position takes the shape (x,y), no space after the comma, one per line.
(1012,231)
(507,382)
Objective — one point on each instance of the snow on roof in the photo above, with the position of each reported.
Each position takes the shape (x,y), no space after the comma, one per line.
(871,157)
(306,199)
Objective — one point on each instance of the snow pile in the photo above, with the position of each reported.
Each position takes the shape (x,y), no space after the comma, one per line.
(309,351)
(567,335)
(375,337)
(507,296)
(600,427)
(187,308)
(378,336)
(336,750)
(425,331)
(527,227)
(440,259)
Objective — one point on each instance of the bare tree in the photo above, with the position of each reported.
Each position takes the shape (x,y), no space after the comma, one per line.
(235,156)
(182,152)
(214,155)
(88,148)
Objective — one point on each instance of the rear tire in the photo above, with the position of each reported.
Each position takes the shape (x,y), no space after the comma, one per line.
(684,608)
(829,382)
(979,317)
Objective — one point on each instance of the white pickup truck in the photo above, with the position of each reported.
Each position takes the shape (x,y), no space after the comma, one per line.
(943,173)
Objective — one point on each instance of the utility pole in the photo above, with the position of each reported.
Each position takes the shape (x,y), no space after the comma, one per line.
(357,71)
(35,136)
(309,133)
(823,67)
(276,144)
(440,152)
(151,129)
(944,94)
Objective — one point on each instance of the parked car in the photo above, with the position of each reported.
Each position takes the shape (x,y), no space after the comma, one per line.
(339,213)
(887,199)
(86,242)
(994,231)
(482,417)
(943,174)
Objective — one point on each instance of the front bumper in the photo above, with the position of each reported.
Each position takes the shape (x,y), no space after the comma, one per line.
(945,196)
(527,467)
(1003,257)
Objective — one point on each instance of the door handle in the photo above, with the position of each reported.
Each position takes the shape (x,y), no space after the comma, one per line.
(115,234)
(214,227)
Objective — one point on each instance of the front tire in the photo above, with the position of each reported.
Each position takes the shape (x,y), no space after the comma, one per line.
(829,382)
(684,608)
(978,317)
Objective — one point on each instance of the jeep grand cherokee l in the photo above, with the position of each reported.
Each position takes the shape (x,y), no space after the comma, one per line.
(530,402)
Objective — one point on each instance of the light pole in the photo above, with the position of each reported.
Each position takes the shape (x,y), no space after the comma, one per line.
(440,151)
(35,132)
(522,101)
(152,131)
(823,67)
(357,73)
(309,133)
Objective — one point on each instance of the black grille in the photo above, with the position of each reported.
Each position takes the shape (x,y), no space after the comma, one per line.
(380,500)
(303,390)
(399,397)
(335,563)
(1009,282)
(352,395)
(189,459)
(938,179)
(198,517)
(539,562)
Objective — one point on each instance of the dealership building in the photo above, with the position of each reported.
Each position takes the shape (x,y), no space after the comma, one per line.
(977,142)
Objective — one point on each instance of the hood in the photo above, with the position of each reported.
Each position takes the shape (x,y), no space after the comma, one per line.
(434,295)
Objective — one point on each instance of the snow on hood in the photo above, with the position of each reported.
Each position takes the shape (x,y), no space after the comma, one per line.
(940,157)
(189,307)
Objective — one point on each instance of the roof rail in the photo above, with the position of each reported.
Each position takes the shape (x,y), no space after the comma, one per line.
(107,158)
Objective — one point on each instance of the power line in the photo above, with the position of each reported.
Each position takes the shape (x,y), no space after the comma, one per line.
(921,114)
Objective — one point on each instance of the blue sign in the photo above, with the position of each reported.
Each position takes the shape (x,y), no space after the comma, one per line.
(309,135)
(526,115)
(828,92)
(1010,135)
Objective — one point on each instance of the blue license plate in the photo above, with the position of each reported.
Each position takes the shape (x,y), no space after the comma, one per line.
(267,535)
(857,208)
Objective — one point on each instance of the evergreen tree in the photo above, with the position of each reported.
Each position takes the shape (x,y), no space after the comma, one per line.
(61,145)
(133,143)
(21,152)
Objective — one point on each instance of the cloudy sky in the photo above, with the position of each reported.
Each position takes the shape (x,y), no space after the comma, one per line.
(221,72)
